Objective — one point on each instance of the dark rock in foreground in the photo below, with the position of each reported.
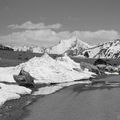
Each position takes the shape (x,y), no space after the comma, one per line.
(100,61)
(24,79)
(90,67)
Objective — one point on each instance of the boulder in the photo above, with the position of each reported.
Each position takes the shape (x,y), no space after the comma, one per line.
(101,67)
(100,61)
(90,67)
(110,68)
(118,68)
(24,79)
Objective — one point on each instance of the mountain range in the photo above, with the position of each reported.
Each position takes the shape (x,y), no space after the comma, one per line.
(105,50)
(74,46)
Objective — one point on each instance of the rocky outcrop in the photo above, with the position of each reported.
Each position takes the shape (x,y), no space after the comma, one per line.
(100,61)
(90,67)
(24,79)
(3,47)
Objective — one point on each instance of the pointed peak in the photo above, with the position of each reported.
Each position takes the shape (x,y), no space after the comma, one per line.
(45,55)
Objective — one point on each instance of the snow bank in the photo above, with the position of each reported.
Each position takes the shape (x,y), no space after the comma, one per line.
(5,96)
(6,74)
(9,92)
(45,70)
(111,73)
(48,70)
(52,89)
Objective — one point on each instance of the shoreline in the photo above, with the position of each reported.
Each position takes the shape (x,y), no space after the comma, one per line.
(17,109)
(59,102)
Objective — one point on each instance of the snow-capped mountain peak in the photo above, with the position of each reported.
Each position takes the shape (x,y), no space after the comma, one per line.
(109,49)
(72,45)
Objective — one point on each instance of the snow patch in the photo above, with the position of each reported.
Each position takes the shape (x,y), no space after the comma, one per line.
(111,73)
(6,74)
(9,92)
(52,89)
(48,70)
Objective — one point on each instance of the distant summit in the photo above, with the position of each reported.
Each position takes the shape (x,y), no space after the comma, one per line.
(105,50)
(5,47)
(73,45)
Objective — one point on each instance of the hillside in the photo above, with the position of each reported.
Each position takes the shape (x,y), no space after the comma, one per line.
(106,50)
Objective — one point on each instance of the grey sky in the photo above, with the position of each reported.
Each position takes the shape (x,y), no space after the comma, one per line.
(83,15)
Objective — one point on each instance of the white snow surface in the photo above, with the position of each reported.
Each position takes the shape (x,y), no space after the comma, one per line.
(72,43)
(34,49)
(9,92)
(48,70)
(106,50)
(6,74)
(45,70)
(111,73)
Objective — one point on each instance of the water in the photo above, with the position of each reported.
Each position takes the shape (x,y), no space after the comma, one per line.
(72,103)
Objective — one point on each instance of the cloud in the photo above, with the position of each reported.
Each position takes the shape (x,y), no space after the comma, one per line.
(99,36)
(31,26)
(46,37)
(49,37)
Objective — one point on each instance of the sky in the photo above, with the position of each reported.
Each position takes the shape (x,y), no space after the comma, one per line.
(45,22)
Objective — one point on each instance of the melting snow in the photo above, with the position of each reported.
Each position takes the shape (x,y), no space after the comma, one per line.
(8,92)
(52,89)
(112,73)
(45,70)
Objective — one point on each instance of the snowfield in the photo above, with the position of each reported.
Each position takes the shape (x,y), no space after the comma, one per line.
(6,74)
(48,70)
(44,70)
(8,92)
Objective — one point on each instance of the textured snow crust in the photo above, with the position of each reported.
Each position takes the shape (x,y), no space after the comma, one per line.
(44,70)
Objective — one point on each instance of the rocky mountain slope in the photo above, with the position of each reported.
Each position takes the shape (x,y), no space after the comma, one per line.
(5,47)
(106,50)
(72,46)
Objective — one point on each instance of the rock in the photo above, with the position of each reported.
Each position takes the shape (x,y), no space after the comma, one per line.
(118,69)
(100,61)
(24,79)
(86,54)
(101,67)
(90,67)
(110,68)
